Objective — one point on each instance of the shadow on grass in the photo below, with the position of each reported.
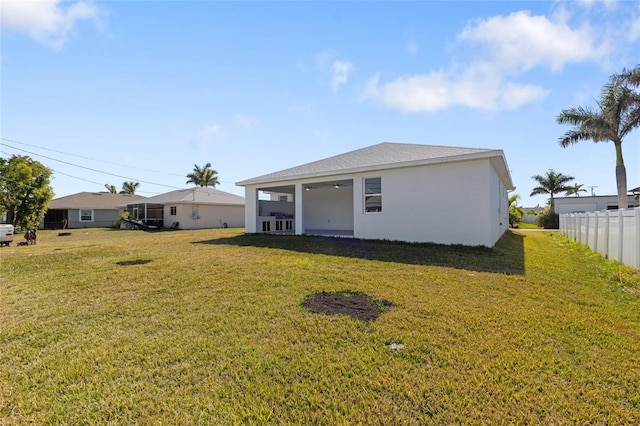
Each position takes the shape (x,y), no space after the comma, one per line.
(507,256)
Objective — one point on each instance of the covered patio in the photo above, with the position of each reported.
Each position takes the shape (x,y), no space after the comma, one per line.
(311,207)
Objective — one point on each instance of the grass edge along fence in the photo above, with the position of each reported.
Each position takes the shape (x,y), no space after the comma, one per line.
(612,233)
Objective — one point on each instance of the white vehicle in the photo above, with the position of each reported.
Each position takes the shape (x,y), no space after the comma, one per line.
(6,234)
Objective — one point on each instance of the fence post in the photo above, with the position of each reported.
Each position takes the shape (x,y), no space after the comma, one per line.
(637,234)
(595,232)
(586,231)
(620,235)
(606,234)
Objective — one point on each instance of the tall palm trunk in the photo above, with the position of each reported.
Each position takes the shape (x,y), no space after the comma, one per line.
(621,178)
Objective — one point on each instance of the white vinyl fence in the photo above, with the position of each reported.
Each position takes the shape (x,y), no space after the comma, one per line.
(613,233)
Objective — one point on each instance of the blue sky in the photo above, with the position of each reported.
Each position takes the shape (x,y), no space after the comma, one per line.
(144,90)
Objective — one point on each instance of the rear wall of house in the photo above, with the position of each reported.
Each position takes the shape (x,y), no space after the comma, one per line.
(101,218)
(329,208)
(202,216)
(442,203)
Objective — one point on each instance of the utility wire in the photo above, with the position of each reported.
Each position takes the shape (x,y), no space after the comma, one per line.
(91,169)
(92,159)
(98,183)
(74,177)
(86,158)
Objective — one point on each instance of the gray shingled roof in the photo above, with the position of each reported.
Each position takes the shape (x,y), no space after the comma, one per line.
(196,194)
(385,155)
(94,200)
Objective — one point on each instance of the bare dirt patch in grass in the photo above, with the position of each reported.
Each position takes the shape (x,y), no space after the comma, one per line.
(354,304)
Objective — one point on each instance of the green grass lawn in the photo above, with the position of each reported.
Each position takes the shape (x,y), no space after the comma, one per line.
(207,327)
(523,225)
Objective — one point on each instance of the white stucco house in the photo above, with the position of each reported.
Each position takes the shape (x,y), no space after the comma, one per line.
(394,191)
(192,208)
(593,203)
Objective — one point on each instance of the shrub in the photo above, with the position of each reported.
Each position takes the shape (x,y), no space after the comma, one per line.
(548,220)
(119,221)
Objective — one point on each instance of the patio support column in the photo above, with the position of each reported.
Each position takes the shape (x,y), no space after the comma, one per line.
(299,200)
(250,209)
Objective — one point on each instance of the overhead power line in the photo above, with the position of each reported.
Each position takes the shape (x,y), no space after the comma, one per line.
(91,169)
(92,159)
(86,158)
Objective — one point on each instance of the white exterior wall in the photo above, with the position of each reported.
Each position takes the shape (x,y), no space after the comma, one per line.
(499,215)
(267,207)
(443,203)
(209,216)
(588,204)
(450,203)
(275,196)
(329,208)
(250,208)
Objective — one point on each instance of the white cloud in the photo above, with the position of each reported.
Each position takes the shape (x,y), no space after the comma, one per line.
(513,96)
(210,133)
(634,30)
(247,121)
(412,48)
(47,21)
(509,46)
(340,71)
(520,41)
(438,90)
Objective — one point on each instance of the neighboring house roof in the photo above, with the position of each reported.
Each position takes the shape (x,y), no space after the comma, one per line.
(199,195)
(386,155)
(93,200)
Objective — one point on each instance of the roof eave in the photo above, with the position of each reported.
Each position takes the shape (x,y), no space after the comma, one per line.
(430,161)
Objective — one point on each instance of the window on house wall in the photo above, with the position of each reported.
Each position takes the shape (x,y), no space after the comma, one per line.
(173,210)
(86,215)
(373,195)
(283,198)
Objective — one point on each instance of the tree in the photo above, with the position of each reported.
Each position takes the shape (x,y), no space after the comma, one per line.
(516,213)
(618,113)
(129,187)
(631,77)
(111,188)
(551,183)
(25,190)
(575,189)
(203,176)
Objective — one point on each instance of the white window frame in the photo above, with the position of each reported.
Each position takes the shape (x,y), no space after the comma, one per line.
(173,210)
(365,196)
(80,215)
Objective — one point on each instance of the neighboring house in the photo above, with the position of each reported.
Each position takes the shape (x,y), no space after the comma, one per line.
(86,210)
(193,208)
(594,203)
(394,191)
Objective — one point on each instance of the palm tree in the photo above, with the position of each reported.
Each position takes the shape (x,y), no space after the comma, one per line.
(631,77)
(575,189)
(516,213)
(129,187)
(618,114)
(551,183)
(111,188)
(203,176)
